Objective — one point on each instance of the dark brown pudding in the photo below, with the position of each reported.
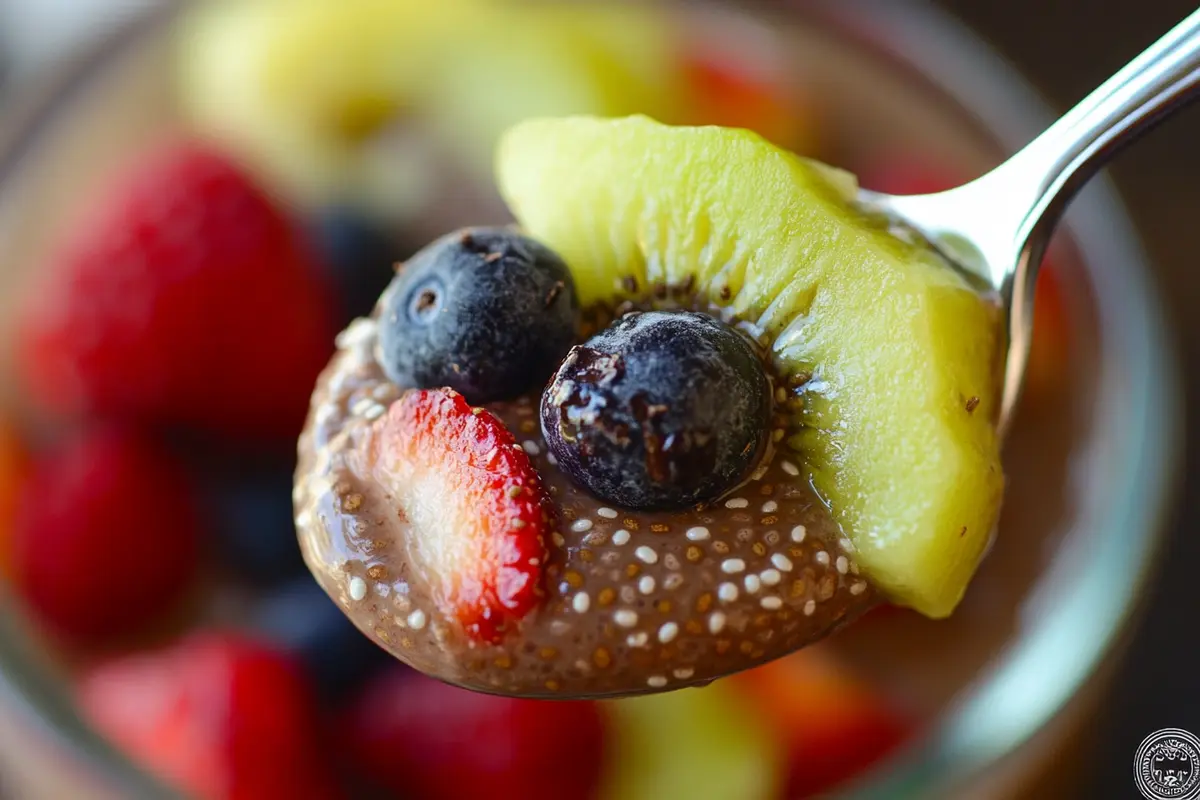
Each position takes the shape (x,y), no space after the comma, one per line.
(634,602)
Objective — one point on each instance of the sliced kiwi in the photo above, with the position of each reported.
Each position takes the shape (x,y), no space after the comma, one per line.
(692,743)
(893,355)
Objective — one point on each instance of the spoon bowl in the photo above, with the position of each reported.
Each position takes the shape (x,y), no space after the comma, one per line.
(996,227)
(368,469)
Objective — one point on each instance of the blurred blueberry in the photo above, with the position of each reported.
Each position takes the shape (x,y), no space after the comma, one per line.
(301,617)
(255,531)
(361,256)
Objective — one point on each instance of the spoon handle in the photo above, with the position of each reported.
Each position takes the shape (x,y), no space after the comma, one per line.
(1009,214)
(1034,185)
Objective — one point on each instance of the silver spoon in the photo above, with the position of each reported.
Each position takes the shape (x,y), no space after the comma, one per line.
(997,226)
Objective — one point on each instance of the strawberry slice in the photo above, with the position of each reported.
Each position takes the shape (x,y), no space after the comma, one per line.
(478,513)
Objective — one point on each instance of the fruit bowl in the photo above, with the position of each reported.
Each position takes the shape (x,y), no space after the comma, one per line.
(896,705)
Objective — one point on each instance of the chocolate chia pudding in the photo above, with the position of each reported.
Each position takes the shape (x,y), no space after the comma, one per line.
(631,602)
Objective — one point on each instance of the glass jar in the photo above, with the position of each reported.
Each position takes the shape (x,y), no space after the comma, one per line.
(1010,680)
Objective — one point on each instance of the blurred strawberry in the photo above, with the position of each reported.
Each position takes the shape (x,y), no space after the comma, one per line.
(220,716)
(910,174)
(13,466)
(105,536)
(835,726)
(185,297)
(728,92)
(426,740)
(1049,354)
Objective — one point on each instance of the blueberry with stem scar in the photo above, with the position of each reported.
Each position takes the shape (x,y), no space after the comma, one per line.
(662,410)
(485,311)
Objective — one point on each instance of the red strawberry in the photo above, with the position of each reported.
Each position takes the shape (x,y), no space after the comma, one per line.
(910,174)
(13,466)
(105,538)
(734,94)
(478,511)
(184,297)
(1049,355)
(216,715)
(426,740)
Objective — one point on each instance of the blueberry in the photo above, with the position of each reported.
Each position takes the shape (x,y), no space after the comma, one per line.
(662,410)
(300,617)
(485,311)
(360,255)
(254,527)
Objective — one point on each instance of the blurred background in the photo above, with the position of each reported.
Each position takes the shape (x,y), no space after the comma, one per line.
(1064,47)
